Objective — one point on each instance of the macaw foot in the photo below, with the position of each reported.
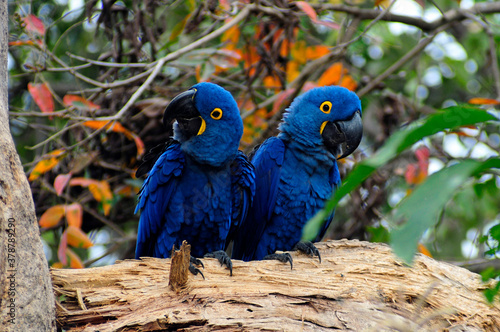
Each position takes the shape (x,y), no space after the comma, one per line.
(223,258)
(284,258)
(307,248)
(194,270)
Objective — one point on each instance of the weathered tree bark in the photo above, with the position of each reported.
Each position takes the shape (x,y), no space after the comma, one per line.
(359,286)
(26,297)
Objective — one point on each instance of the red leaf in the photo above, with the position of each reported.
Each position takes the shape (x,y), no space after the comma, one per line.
(61,251)
(42,97)
(411,174)
(422,155)
(328,24)
(34,24)
(79,102)
(61,182)
(283,96)
(308,9)
(84,182)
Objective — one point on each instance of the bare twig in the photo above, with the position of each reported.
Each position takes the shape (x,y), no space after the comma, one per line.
(407,57)
(174,55)
(449,16)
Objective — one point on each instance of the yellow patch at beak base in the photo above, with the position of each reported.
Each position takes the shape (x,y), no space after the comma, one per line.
(202,127)
(323,125)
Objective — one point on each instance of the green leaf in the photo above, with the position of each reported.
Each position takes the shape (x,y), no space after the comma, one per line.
(379,234)
(422,208)
(178,28)
(495,232)
(448,118)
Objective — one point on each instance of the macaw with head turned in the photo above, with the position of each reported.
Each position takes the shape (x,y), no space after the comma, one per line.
(296,172)
(200,186)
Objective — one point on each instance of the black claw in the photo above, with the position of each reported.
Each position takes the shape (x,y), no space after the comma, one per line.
(308,248)
(195,270)
(196,261)
(284,258)
(223,259)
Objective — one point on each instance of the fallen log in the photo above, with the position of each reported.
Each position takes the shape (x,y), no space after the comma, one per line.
(358,286)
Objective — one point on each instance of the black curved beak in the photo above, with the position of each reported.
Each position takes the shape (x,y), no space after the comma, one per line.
(183,109)
(343,136)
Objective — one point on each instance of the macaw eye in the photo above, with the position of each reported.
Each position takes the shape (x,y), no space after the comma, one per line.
(216,114)
(326,107)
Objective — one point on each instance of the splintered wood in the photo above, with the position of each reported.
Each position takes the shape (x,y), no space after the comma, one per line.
(179,267)
(359,286)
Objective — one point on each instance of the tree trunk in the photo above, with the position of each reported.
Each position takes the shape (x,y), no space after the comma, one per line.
(358,286)
(26,297)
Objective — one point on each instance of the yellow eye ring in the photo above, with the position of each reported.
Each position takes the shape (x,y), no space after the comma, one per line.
(326,107)
(216,114)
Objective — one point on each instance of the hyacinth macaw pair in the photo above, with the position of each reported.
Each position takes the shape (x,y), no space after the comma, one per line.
(203,190)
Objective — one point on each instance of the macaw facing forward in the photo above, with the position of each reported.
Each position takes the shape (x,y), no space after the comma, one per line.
(296,172)
(200,186)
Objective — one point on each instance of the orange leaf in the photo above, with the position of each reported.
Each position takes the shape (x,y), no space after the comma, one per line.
(314,52)
(77,238)
(232,35)
(292,71)
(21,43)
(423,250)
(63,246)
(49,162)
(483,101)
(74,261)
(74,215)
(34,24)
(382,3)
(52,216)
(102,193)
(349,83)
(61,182)
(308,9)
(299,52)
(57,265)
(79,102)
(332,75)
(42,97)
(118,128)
(99,189)
(139,144)
(271,82)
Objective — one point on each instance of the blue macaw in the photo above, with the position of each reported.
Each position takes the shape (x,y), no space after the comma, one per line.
(296,172)
(201,186)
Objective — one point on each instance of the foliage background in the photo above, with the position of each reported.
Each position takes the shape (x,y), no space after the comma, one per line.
(89,82)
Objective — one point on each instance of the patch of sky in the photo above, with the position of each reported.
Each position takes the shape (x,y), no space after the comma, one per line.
(432,77)
(75,9)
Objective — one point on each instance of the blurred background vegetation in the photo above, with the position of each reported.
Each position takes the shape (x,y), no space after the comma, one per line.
(89,82)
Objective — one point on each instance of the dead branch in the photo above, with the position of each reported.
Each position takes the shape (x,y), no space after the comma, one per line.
(358,286)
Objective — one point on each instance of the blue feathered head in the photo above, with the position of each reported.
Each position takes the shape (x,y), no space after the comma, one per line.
(208,123)
(328,116)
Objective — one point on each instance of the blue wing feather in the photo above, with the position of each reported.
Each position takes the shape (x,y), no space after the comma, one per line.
(243,191)
(335,183)
(267,161)
(154,196)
